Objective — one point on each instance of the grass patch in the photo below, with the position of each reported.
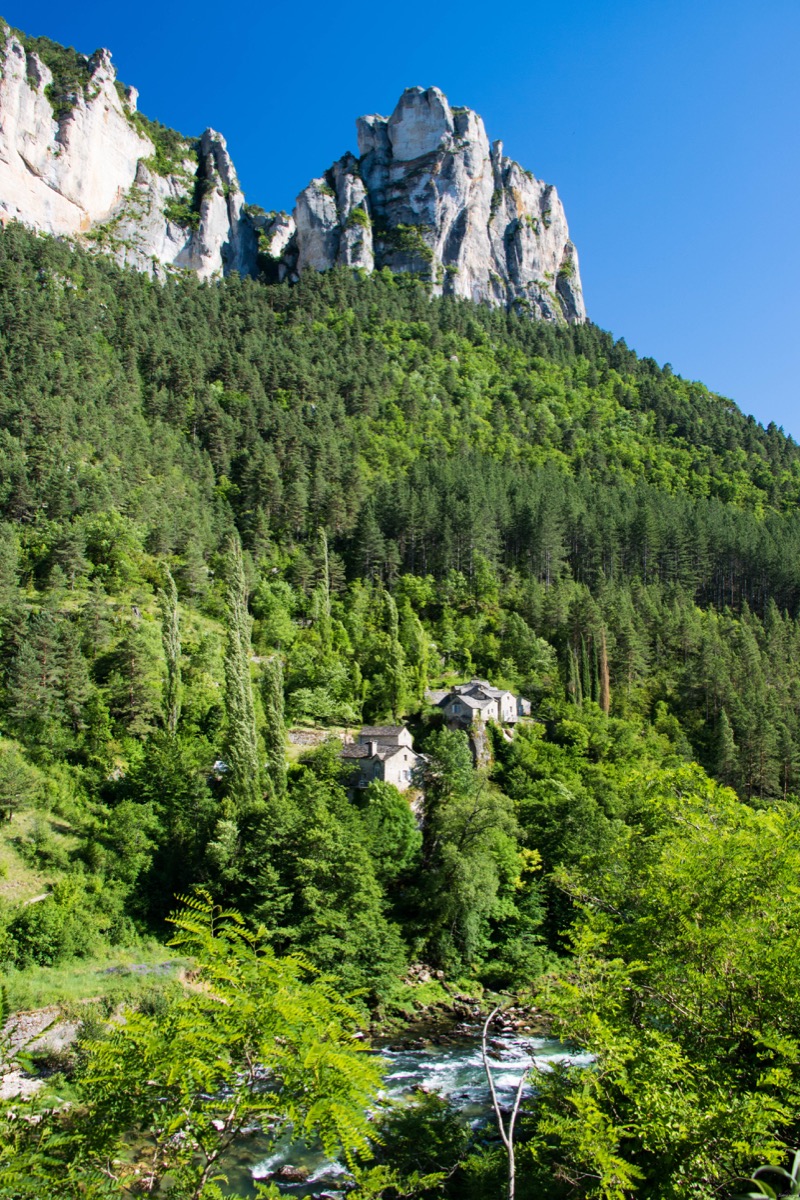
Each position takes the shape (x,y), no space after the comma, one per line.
(122,976)
(170,148)
(24,875)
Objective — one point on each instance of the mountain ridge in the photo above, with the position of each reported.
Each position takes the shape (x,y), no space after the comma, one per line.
(428,195)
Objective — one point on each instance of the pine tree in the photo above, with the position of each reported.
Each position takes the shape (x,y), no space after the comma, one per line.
(19,782)
(321,605)
(242,744)
(75,684)
(274,729)
(27,703)
(171,639)
(604,680)
(416,646)
(134,683)
(726,754)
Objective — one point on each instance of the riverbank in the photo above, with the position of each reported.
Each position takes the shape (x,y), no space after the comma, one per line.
(429,1013)
(433,1011)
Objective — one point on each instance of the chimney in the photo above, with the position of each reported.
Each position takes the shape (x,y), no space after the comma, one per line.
(373,749)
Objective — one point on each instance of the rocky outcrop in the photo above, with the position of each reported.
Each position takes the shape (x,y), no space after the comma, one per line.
(192,219)
(428,194)
(62,177)
(90,171)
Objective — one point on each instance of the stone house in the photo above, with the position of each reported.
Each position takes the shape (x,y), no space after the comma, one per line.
(478,702)
(384,752)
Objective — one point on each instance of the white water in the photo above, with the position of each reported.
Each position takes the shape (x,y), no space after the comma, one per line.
(454,1071)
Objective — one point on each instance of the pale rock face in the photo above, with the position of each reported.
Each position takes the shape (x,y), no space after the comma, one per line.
(318,217)
(87,175)
(332,220)
(61,178)
(427,195)
(225,240)
(140,236)
(421,123)
(444,204)
(276,244)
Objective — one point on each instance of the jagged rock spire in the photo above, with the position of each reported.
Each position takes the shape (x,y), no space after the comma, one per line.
(427,194)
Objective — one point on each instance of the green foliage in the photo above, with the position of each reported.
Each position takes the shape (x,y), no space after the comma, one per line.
(257,1039)
(359,216)
(274,725)
(765,1191)
(407,240)
(422,1142)
(20,783)
(307,872)
(171,640)
(497,498)
(171,149)
(389,830)
(71,72)
(69,923)
(242,745)
(471,876)
(181,211)
(689,1010)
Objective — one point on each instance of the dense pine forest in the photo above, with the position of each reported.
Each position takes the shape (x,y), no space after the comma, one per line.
(230,509)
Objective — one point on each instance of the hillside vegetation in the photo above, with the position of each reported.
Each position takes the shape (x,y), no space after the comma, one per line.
(227,508)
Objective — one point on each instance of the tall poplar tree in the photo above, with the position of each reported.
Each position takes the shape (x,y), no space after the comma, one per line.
(171,638)
(274,729)
(395,663)
(242,744)
(604,677)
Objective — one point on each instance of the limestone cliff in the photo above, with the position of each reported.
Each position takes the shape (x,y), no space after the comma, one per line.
(89,168)
(427,194)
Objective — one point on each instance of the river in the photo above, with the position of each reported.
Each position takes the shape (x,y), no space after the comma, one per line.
(454,1070)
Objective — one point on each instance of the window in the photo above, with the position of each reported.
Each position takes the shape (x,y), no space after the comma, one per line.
(456,708)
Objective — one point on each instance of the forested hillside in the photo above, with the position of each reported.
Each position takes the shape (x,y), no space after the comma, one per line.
(506,480)
(231,507)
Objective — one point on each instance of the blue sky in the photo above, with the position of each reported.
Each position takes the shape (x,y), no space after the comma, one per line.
(669,129)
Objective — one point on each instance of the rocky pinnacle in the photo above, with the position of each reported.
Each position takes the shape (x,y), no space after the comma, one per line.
(427,194)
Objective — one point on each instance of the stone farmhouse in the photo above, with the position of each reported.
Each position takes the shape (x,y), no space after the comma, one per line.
(477,702)
(384,752)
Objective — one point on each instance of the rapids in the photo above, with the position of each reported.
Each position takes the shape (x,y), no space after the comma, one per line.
(454,1070)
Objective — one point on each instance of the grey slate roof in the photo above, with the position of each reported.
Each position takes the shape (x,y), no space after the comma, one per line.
(472,701)
(362,750)
(355,750)
(381,731)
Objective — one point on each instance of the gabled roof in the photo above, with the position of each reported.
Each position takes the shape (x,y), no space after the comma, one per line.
(472,701)
(362,750)
(436,695)
(475,685)
(385,752)
(482,685)
(382,731)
